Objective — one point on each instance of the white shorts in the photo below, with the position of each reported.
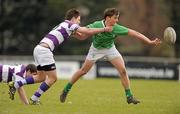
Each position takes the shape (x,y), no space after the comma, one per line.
(95,54)
(43,56)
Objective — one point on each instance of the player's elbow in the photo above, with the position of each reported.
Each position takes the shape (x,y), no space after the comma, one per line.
(81,37)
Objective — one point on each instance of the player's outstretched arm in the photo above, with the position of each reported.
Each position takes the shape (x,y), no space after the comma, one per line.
(83,32)
(142,37)
(91,31)
(22,95)
(80,36)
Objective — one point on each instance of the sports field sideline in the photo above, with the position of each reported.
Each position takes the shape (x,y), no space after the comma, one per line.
(99,96)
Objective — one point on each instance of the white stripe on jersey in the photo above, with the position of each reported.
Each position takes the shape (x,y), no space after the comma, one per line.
(74,27)
(69,28)
(49,42)
(5,72)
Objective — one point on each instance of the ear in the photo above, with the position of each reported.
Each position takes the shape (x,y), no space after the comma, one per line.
(73,19)
(108,18)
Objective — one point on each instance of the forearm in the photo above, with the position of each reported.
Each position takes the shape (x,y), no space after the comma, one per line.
(81,36)
(90,31)
(96,30)
(138,35)
(23,96)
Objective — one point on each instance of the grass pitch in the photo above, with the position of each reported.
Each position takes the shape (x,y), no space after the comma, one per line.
(100,96)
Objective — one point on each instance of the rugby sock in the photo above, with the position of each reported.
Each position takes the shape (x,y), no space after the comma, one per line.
(43,88)
(28,80)
(67,87)
(128,92)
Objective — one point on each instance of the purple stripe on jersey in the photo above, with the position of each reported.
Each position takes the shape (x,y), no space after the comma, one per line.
(1,68)
(53,39)
(10,74)
(64,33)
(69,23)
(22,71)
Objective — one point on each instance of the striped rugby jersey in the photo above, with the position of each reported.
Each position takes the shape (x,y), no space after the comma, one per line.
(8,72)
(59,34)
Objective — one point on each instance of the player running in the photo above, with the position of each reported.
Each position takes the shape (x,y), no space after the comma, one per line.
(10,73)
(43,52)
(103,47)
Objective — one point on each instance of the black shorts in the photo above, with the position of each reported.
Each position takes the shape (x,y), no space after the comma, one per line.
(46,67)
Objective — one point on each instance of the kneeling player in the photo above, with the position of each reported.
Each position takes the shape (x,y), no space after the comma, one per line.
(10,73)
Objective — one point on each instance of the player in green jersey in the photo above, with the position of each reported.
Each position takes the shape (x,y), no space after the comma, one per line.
(103,47)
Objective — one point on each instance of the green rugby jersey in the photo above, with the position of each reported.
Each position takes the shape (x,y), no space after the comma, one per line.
(106,39)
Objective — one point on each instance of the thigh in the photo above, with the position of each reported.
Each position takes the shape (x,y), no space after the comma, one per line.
(118,63)
(87,65)
(41,76)
(51,77)
(51,74)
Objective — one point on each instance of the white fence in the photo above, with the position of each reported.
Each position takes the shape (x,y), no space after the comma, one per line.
(137,67)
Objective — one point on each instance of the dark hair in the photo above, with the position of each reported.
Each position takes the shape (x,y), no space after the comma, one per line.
(31,67)
(72,13)
(110,12)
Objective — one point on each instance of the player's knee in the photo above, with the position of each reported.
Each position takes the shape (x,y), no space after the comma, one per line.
(53,79)
(83,71)
(123,72)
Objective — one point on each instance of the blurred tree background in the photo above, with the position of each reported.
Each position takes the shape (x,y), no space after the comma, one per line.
(23,23)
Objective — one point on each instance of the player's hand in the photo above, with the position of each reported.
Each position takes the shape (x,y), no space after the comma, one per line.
(108,29)
(156,41)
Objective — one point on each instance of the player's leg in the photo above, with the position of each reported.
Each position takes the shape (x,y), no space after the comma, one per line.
(92,57)
(44,57)
(50,80)
(119,64)
(82,71)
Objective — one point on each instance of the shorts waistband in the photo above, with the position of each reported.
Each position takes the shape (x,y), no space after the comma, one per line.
(42,44)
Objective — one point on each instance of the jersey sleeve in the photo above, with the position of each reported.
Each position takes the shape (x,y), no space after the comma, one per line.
(74,27)
(17,78)
(92,25)
(120,30)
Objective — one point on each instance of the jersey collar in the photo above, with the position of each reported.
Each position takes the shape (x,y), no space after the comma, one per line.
(103,23)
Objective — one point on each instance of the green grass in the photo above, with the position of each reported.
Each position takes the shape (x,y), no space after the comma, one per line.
(100,96)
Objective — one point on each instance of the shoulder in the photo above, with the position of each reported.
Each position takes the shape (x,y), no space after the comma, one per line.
(120,30)
(100,22)
(96,24)
(119,27)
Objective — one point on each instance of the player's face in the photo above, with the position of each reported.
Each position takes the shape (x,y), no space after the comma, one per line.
(76,20)
(113,20)
(28,73)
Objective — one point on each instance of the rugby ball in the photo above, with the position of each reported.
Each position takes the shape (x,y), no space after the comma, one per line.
(169,35)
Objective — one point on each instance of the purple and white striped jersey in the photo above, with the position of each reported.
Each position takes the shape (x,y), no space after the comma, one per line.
(59,34)
(9,73)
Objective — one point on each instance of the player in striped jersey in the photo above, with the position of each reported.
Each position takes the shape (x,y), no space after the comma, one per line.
(43,52)
(15,73)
